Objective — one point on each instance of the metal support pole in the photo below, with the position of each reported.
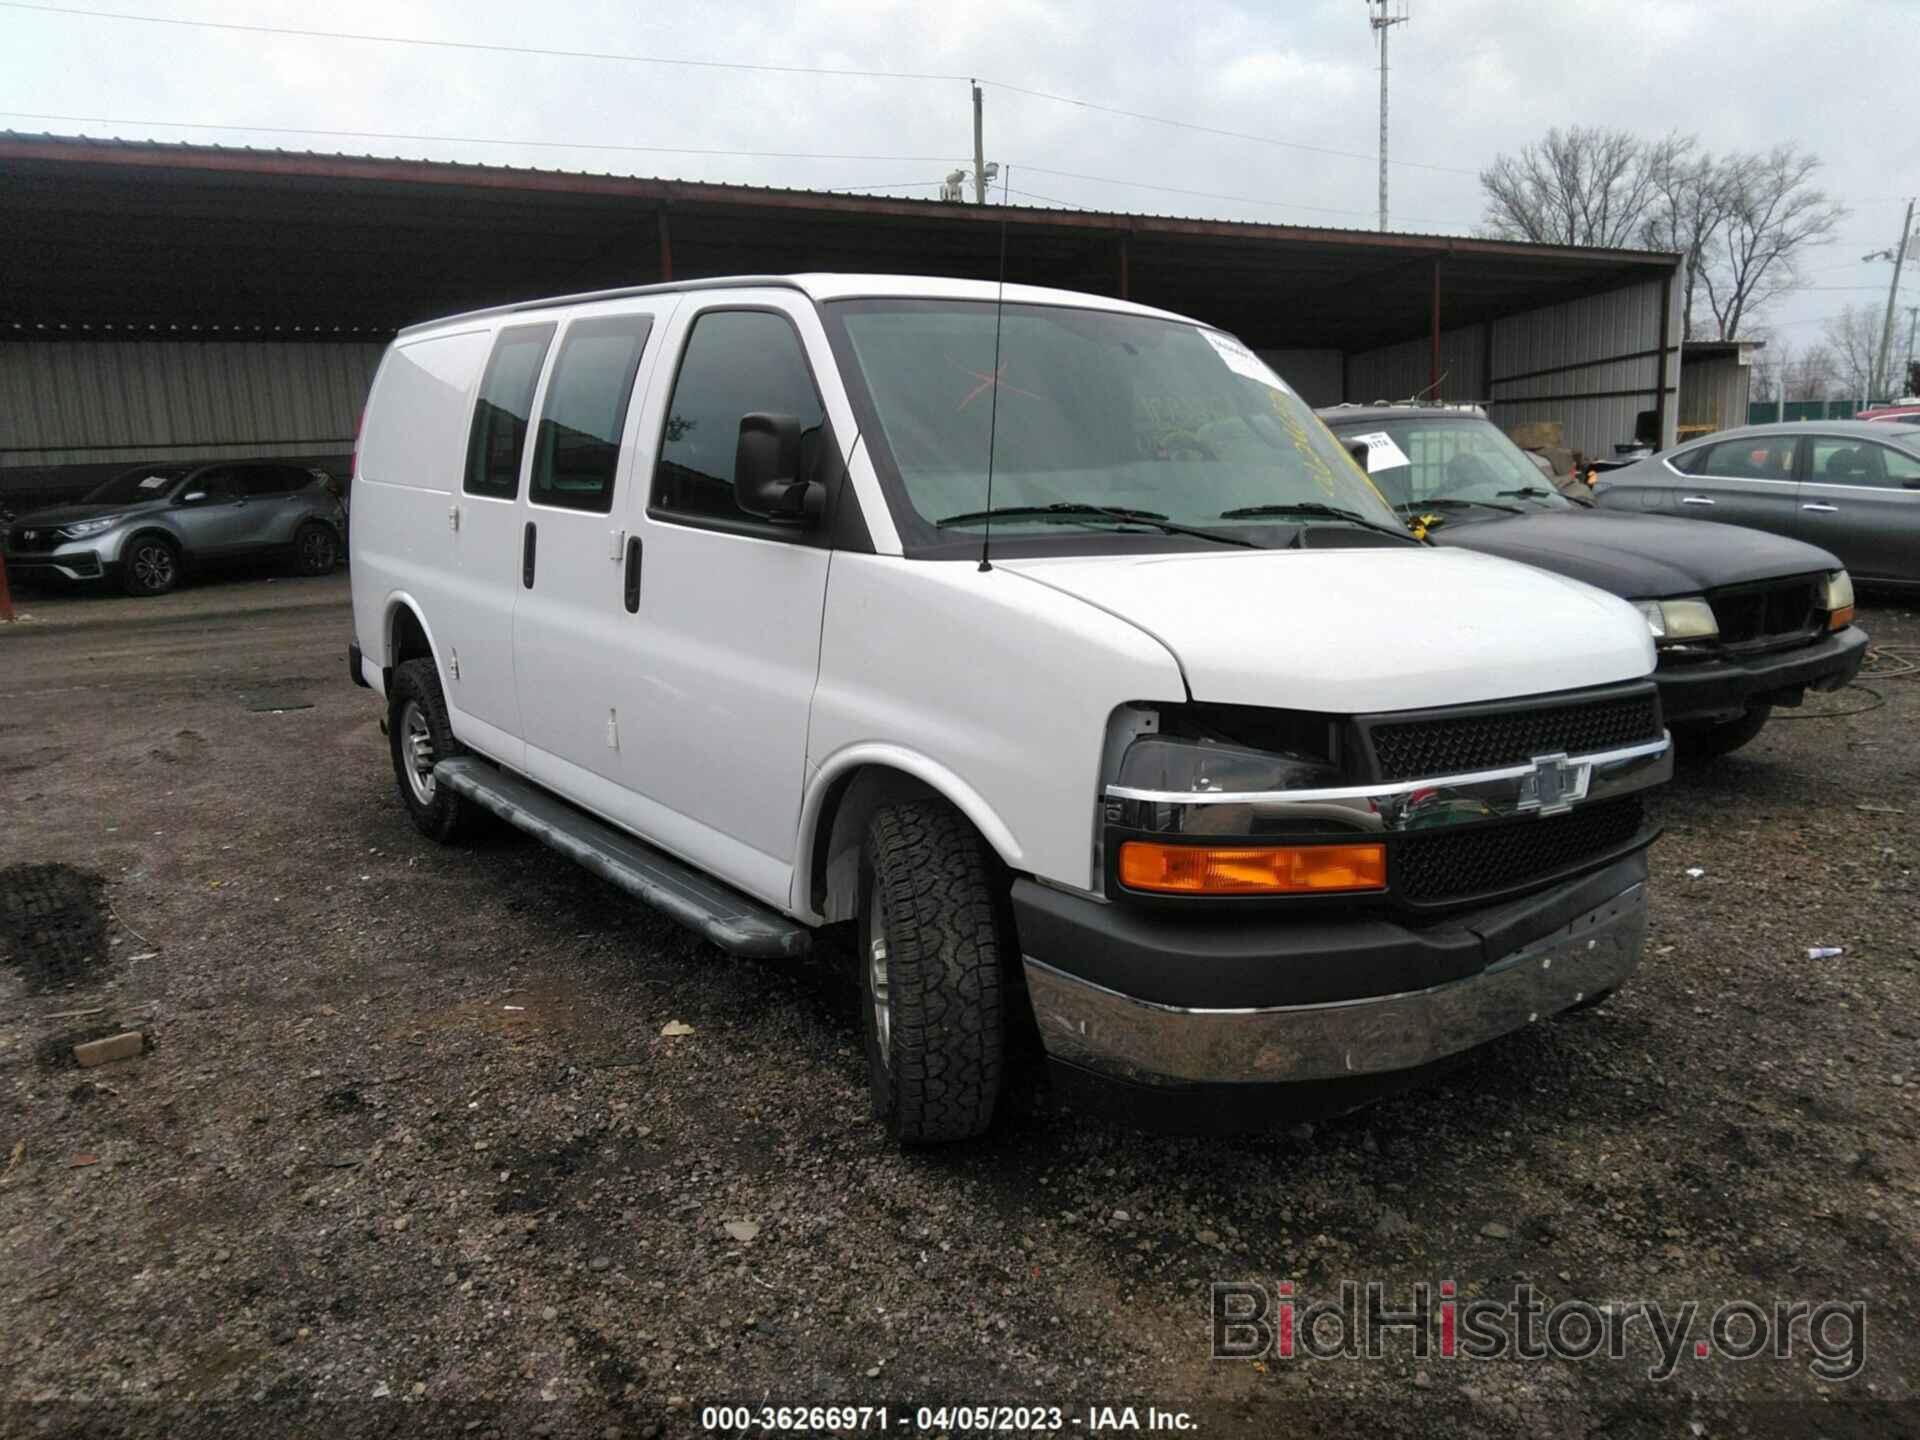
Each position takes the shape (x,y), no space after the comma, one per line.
(666,248)
(1893,296)
(979,152)
(1123,262)
(1913,322)
(1660,440)
(1433,364)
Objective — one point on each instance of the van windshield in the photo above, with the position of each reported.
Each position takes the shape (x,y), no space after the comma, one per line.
(1097,412)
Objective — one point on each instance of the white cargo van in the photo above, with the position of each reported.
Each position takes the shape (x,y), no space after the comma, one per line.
(1048,641)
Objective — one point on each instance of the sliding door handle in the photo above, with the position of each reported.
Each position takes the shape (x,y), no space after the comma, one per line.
(1822,509)
(633,575)
(528,540)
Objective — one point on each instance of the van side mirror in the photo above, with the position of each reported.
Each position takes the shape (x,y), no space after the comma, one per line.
(766,472)
(1359,453)
(194,497)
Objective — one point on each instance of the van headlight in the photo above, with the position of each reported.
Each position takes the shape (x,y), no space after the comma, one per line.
(80,529)
(1673,621)
(1837,599)
(1182,765)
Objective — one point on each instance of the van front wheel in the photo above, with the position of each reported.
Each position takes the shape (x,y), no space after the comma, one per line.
(420,737)
(932,984)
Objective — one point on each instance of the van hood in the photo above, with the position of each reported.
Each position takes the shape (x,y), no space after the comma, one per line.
(1355,630)
(1645,557)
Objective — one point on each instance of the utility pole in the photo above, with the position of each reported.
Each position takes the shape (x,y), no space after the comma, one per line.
(1383,15)
(979,151)
(1893,297)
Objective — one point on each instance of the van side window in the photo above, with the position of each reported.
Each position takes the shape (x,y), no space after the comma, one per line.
(499,433)
(577,448)
(737,362)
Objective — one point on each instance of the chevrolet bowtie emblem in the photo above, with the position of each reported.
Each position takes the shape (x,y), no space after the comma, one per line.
(1555,785)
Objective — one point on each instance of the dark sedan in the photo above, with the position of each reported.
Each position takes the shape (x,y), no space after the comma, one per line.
(1743,621)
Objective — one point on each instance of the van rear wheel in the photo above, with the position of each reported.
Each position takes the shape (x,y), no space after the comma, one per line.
(933,944)
(420,737)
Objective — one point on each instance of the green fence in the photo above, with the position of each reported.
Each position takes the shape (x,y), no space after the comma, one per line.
(1765,412)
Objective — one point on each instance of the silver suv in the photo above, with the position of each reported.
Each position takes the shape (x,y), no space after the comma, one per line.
(145,525)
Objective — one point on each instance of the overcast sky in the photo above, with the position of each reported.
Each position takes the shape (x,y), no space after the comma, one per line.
(1470,78)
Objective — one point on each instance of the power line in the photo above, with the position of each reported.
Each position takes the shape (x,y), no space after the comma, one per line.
(839,72)
(1208,129)
(473,139)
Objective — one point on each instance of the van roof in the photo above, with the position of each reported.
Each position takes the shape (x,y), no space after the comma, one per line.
(828,287)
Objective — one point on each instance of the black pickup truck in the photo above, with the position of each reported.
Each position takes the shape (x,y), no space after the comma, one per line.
(1743,620)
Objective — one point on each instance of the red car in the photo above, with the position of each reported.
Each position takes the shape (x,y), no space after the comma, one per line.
(1902,414)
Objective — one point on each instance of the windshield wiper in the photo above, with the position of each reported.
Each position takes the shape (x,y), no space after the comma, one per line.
(1528,492)
(1069,510)
(1463,500)
(1311,510)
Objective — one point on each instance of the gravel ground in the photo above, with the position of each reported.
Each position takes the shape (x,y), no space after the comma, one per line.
(407,1150)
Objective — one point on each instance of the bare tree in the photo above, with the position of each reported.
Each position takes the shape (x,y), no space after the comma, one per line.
(1742,221)
(1583,186)
(1690,205)
(1854,338)
(1811,376)
(1774,214)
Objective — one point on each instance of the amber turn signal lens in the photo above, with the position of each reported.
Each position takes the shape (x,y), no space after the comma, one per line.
(1251,870)
(1840,619)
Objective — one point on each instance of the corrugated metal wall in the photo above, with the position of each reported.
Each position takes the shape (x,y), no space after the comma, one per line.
(1714,391)
(1595,395)
(1315,374)
(75,402)
(1400,372)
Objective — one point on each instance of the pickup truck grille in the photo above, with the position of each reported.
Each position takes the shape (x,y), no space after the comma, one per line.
(1778,613)
(1487,739)
(1467,861)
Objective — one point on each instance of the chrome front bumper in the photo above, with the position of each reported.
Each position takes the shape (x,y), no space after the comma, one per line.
(1118,1035)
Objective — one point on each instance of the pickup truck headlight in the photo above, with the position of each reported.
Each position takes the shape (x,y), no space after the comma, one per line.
(1837,599)
(1677,620)
(80,529)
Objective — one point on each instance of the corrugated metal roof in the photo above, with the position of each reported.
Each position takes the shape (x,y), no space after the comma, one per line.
(459,171)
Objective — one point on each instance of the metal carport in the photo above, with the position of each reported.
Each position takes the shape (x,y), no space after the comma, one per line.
(164,299)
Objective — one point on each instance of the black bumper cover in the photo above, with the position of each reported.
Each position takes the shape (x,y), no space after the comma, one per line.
(1726,689)
(1237,961)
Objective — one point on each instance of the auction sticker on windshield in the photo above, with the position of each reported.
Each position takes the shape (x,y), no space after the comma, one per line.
(1382,453)
(1243,361)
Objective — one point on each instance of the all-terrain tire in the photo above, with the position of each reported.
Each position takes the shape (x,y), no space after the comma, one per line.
(931,897)
(1697,744)
(419,736)
(149,566)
